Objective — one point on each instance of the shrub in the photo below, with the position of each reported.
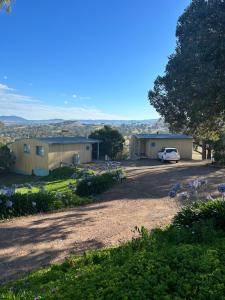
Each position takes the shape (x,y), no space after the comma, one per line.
(32,203)
(212,210)
(67,172)
(94,185)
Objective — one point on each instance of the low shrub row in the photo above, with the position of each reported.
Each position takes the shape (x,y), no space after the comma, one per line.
(174,263)
(93,185)
(31,203)
(212,210)
(67,172)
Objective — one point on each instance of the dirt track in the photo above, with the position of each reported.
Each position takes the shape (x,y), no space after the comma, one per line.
(31,242)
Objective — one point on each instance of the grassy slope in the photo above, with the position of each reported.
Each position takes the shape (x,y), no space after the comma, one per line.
(168,264)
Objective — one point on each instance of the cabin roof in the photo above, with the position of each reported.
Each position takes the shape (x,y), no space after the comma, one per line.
(67,140)
(164,136)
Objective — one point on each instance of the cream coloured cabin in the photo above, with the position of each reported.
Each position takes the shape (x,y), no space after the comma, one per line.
(148,145)
(38,156)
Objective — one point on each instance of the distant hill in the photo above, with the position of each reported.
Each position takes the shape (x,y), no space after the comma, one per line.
(118,122)
(21,121)
(13,120)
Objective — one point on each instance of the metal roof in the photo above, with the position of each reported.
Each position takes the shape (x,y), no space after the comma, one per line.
(164,136)
(67,140)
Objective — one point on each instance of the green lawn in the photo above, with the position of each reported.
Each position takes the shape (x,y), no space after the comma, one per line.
(50,186)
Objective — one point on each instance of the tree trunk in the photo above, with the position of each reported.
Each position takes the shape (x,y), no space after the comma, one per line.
(209,153)
(203,150)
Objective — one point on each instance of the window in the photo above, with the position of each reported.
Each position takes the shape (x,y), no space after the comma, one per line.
(87,147)
(40,150)
(26,148)
(171,150)
(153,144)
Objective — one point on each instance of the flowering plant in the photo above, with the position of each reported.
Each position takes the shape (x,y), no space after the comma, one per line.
(190,192)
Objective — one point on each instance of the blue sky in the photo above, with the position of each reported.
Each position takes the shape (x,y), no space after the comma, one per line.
(84,59)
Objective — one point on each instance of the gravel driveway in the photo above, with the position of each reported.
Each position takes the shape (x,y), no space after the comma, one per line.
(27,243)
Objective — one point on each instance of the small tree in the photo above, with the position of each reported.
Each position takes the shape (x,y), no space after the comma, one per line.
(5,4)
(191,93)
(112,141)
(6,158)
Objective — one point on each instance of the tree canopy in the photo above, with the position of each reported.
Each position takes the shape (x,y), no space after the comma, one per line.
(191,94)
(111,141)
(5,4)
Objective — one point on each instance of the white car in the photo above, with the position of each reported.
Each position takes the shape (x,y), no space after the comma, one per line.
(169,154)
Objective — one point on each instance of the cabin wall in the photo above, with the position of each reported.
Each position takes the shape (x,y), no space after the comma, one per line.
(185,147)
(30,163)
(64,153)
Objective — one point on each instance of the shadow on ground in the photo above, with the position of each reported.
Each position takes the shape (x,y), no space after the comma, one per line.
(151,180)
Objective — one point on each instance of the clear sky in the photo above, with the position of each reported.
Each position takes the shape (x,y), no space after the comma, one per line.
(84,59)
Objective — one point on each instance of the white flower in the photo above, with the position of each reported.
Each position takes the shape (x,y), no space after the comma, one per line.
(183,196)
(34,203)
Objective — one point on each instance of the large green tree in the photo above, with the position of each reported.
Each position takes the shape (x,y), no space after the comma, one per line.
(112,141)
(5,4)
(191,94)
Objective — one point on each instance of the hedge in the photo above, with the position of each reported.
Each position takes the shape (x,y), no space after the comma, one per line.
(93,185)
(32,203)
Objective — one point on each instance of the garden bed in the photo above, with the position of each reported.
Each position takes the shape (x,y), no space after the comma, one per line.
(62,188)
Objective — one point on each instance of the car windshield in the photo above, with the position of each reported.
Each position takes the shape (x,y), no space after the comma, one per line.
(171,150)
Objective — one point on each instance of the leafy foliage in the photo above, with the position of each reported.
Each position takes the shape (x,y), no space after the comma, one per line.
(212,210)
(6,158)
(31,203)
(112,141)
(5,4)
(67,172)
(175,263)
(191,94)
(94,185)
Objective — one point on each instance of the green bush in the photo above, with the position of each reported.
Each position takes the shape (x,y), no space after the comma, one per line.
(32,203)
(175,263)
(212,210)
(67,172)
(94,185)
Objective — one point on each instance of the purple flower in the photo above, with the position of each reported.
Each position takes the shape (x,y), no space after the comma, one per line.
(221,188)
(172,193)
(8,192)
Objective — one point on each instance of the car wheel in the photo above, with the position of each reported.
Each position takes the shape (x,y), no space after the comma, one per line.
(162,160)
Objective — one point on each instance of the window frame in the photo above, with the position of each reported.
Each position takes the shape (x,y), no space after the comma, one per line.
(26,148)
(38,152)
